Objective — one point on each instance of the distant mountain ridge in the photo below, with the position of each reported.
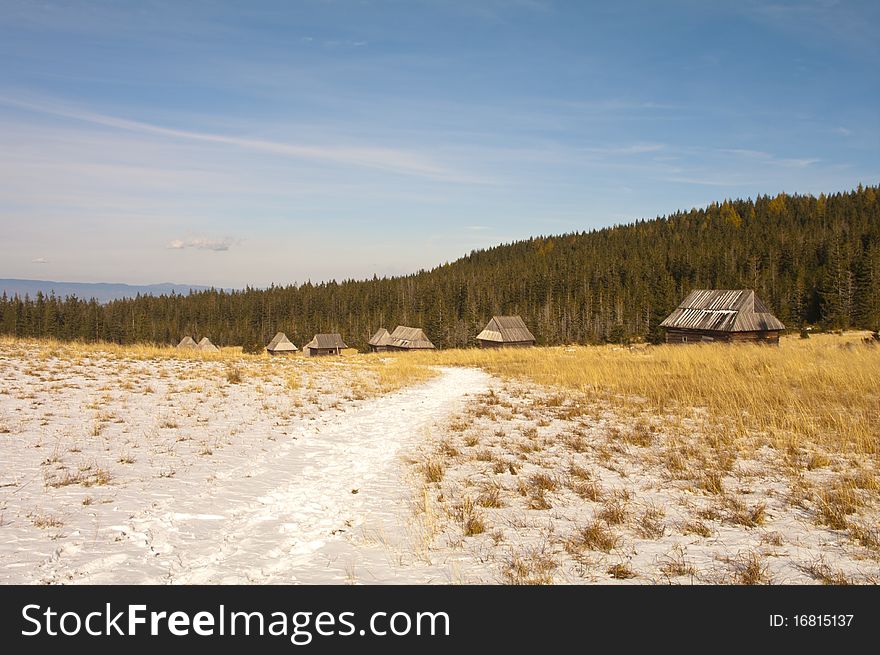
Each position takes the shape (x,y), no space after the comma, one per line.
(101,291)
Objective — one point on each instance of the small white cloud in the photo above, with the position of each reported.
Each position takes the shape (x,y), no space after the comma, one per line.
(477,228)
(842,131)
(39,260)
(202,243)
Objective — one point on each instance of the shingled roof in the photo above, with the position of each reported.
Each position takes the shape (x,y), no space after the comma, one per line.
(409,338)
(280,343)
(719,310)
(322,341)
(205,345)
(380,338)
(506,329)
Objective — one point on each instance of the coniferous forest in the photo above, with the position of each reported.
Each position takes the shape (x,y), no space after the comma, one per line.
(812,260)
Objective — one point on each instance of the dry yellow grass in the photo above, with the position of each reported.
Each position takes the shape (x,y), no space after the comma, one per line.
(369,375)
(821,392)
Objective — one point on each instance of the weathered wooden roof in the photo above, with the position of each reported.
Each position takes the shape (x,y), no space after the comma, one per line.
(506,329)
(280,343)
(720,310)
(187,342)
(205,345)
(410,338)
(322,341)
(380,338)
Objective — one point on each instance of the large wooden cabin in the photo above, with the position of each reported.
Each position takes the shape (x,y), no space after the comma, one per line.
(708,315)
(505,331)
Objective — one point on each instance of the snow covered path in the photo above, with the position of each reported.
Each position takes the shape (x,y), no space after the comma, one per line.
(287,517)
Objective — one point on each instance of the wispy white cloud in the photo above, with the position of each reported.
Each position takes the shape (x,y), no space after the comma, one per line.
(39,260)
(842,131)
(387,159)
(771,159)
(633,149)
(202,243)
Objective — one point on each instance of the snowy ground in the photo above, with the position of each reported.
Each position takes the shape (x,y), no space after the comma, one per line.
(185,478)
(528,487)
(127,470)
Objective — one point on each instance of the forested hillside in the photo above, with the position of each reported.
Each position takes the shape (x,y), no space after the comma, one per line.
(813,260)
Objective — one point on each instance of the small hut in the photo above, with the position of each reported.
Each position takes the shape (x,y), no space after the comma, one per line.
(379,341)
(188,343)
(281,345)
(324,344)
(708,315)
(409,338)
(206,346)
(505,331)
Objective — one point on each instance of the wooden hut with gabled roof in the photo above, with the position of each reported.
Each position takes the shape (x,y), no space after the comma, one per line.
(708,315)
(505,331)
(188,343)
(206,346)
(379,342)
(281,345)
(324,344)
(409,338)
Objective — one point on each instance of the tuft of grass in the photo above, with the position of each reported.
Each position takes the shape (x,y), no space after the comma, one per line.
(866,536)
(836,504)
(530,568)
(676,564)
(474,525)
(820,570)
(818,461)
(614,512)
(87,476)
(45,521)
(470,518)
(749,517)
(233,374)
(594,536)
(698,528)
(544,482)
(650,523)
(433,470)
(713,482)
(588,491)
(641,435)
(750,569)
(621,571)
(491,497)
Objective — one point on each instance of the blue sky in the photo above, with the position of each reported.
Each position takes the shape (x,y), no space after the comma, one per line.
(233,143)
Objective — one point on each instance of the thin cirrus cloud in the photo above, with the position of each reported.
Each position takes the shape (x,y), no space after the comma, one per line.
(39,260)
(387,159)
(769,158)
(202,243)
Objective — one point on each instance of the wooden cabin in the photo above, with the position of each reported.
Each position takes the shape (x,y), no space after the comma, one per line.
(708,315)
(379,342)
(324,344)
(281,345)
(409,338)
(504,332)
(206,346)
(188,343)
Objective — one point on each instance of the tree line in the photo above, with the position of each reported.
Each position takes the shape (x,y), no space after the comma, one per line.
(813,260)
